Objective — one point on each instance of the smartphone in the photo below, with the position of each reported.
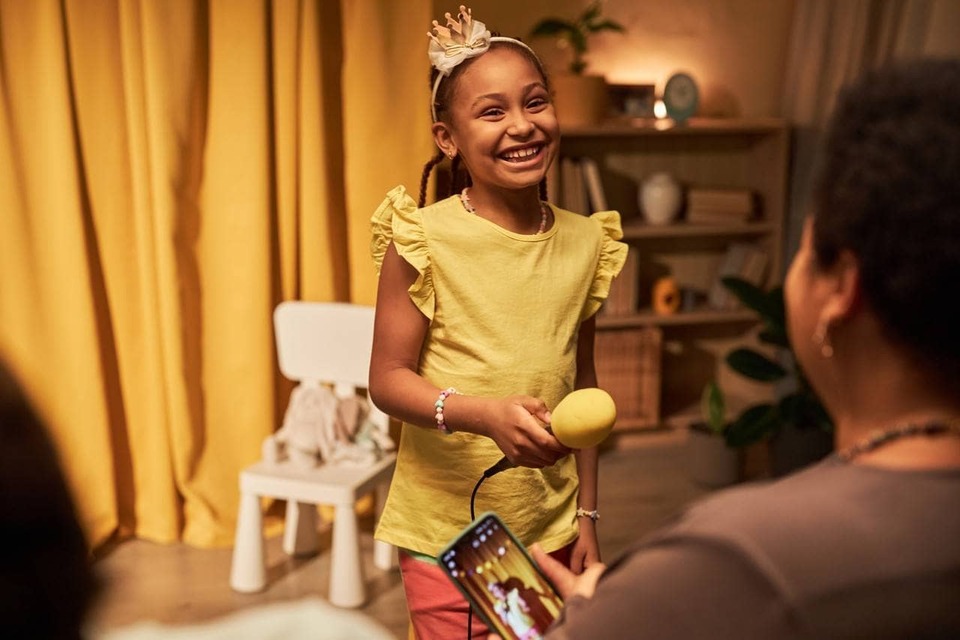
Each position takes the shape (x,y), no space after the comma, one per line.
(499,578)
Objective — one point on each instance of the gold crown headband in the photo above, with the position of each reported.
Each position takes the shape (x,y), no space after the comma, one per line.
(461,39)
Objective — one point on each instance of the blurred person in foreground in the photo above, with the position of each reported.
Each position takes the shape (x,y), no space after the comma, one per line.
(47,585)
(865,544)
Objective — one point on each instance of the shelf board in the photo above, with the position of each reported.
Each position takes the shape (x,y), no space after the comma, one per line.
(694,126)
(647,318)
(634,231)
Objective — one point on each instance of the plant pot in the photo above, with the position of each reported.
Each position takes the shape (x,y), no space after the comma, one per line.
(580,100)
(710,462)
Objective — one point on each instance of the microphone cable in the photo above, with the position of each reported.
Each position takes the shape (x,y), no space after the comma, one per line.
(495,469)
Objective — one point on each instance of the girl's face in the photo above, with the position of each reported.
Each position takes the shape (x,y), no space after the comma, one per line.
(502,122)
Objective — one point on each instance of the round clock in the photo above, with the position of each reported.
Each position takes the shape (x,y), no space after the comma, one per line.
(680,96)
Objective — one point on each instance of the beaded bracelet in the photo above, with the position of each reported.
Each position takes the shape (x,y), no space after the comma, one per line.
(583,513)
(441,425)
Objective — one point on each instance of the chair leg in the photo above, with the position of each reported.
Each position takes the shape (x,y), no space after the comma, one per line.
(300,529)
(346,571)
(248,571)
(384,554)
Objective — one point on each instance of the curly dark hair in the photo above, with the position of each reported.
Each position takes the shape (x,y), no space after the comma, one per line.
(460,178)
(889,192)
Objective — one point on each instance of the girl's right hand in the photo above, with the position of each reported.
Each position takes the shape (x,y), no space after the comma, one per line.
(517,425)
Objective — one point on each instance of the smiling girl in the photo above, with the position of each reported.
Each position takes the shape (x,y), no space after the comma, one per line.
(485,320)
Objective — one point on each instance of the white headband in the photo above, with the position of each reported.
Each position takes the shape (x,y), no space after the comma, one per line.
(461,39)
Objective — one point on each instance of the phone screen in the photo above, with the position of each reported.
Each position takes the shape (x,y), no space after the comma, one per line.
(495,573)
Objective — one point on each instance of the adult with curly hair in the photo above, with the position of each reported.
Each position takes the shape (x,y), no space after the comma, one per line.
(865,544)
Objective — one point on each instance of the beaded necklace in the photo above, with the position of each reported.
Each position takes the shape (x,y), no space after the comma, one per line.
(880,438)
(465,199)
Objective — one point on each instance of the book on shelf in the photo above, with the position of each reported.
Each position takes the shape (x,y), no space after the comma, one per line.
(743,260)
(553,183)
(573,188)
(720,206)
(591,177)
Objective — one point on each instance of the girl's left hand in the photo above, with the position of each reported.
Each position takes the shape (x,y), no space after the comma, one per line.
(586,548)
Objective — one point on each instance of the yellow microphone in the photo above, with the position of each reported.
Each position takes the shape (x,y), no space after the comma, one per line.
(583,419)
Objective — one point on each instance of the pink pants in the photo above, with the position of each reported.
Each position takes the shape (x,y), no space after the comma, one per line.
(438,611)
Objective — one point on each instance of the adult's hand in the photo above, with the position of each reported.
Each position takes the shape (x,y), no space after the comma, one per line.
(567,582)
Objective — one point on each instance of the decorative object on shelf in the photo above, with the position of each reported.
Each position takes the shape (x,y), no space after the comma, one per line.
(580,98)
(666,296)
(796,411)
(749,154)
(660,198)
(681,97)
(632,100)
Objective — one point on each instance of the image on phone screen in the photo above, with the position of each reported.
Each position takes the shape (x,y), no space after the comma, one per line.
(495,573)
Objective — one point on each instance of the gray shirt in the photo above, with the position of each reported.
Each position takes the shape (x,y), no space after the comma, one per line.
(835,551)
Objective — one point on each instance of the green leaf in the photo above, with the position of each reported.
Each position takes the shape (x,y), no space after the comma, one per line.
(713,407)
(776,310)
(776,337)
(755,365)
(752,425)
(606,25)
(578,41)
(553,27)
(792,408)
(591,13)
(754,298)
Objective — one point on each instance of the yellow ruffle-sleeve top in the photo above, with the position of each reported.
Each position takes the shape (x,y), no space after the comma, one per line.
(504,311)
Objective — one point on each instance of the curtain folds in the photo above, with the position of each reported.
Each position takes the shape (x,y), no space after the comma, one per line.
(169,171)
(831,43)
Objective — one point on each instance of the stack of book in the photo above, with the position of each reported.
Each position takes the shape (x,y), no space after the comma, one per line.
(581,188)
(720,206)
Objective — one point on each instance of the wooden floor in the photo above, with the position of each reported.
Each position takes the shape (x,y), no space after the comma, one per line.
(642,484)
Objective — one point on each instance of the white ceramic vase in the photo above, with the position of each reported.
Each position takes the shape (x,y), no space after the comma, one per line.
(660,198)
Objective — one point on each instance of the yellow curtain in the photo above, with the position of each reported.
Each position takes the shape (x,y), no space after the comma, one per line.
(169,171)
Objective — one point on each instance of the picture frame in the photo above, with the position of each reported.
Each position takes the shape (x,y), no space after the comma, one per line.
(632,100)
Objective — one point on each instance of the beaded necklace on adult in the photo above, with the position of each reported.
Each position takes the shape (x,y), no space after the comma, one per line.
(465,199)
(881,438)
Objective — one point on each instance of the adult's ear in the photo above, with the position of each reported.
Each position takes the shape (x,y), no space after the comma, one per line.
(845,294)
(443,137)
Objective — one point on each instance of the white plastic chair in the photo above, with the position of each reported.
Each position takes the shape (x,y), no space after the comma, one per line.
(328,343)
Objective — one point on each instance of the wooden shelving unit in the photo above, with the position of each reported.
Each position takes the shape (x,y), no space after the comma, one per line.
(708,153)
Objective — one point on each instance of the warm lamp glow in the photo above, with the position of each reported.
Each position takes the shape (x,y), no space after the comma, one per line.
(659,109)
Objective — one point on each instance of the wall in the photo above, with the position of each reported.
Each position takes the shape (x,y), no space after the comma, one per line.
(735,49)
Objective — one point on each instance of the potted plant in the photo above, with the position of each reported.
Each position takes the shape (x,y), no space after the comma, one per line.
(798,426)
(581,98)
(711,461)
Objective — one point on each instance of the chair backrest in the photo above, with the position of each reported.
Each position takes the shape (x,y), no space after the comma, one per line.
(324,341)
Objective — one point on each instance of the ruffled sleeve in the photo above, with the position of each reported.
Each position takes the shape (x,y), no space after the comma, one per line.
(613,255)
(398,220)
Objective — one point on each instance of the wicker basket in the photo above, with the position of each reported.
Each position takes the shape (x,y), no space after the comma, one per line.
(628,367)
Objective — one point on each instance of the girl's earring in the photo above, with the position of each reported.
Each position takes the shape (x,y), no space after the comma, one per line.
(821,338)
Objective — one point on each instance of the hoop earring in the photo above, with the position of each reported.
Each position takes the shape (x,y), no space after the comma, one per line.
(821,338)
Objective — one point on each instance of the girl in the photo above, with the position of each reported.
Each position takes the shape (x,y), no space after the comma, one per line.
(485,320)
